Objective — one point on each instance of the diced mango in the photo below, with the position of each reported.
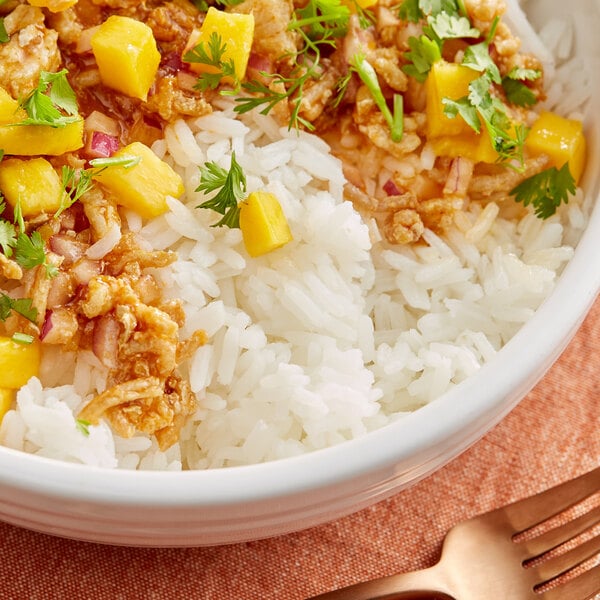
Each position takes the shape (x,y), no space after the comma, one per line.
(8,108)
(454,136)
(351,4)
(7,397)
(32,140)
(144,187)
(127,56)
(236,32)
(561,139)
(263,224)
(18,363)
(53,5)
(32,183)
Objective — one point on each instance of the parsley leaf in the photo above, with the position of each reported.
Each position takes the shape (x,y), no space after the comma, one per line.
(231,186)
(44,104)
(212,57)
(22,306)
(546,190)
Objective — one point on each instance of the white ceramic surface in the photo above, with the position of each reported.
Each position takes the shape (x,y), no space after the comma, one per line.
(238,504)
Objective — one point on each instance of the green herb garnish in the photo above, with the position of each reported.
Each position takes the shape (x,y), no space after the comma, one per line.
(48,102)
(212,56)
(368,76)
(22,338)
(4,37)
(546,190)
(230,186)
(517,92)
(83,426)
(22,306)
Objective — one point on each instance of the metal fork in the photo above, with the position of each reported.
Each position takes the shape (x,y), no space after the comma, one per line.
(491,556)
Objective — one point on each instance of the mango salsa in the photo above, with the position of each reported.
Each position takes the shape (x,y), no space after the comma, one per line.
(53,5)
(561,139)
(7,397)
(8,108)
(144,187)
(236,31)
(18,363)
(263,224)
(453,136)
(32,183)
(127,56)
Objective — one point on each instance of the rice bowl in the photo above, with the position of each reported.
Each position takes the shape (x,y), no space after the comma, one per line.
(458,398)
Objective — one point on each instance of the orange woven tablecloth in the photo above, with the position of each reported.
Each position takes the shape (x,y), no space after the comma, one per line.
(552,435)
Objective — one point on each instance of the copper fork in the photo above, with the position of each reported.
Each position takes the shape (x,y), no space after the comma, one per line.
(498,555)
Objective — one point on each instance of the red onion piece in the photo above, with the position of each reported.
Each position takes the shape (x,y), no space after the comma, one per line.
(59,326)
(390,188)
(61,290)
(101,145)
(105,340)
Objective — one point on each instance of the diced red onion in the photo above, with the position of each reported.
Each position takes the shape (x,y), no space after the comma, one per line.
(101,145)
(105,340)
(61,290)
(84,41)
(171,63)
(98,121)
(390,188)
(59,326)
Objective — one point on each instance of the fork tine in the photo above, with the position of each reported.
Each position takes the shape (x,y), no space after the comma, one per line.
(536,509)
(563,533)
(583,587)
(557,565)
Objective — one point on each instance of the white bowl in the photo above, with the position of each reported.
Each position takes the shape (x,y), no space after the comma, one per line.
(243,503)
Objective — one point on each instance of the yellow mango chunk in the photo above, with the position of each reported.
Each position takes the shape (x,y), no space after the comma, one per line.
(235,30)
(561,139)
(7,397)
(351,4)
(144,187)
(18,363)
(126,55)
(32,140)
(263,224)
(453,136)
(53,5)
(8,107)
(33,183)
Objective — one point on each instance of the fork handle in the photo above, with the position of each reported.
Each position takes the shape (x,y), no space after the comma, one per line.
(416,584)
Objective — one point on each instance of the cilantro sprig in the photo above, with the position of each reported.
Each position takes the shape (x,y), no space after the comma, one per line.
(546,191)
(211,54)
(230,186)
(516,90)
(52,102)
(22,306)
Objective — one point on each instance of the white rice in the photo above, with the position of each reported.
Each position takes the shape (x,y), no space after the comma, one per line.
(327,338)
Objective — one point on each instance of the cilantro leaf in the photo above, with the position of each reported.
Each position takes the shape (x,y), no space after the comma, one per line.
(447,26)
(212,56)
(29,250)
(423,53)
(410,11)
(518,93)
(52,93)
(465,109)
(546,190)
(231,186)
(477,57)
(22,306)
(8,237)
(74,184)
